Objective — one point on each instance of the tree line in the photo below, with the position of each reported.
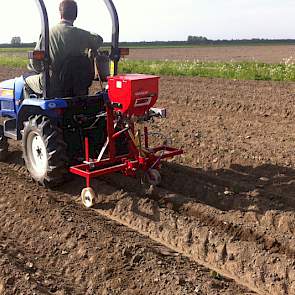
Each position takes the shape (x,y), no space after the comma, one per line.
(191,40)
(200,40)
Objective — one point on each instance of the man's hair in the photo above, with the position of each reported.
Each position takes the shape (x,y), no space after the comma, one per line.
(68,10)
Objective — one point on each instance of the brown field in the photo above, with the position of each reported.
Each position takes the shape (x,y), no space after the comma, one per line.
(268,54)
(227,204)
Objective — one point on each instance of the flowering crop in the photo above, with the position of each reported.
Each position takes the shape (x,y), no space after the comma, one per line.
(284,71)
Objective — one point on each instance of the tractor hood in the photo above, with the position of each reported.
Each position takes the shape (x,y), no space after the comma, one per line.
(8,84)
(7,89)
(12,88)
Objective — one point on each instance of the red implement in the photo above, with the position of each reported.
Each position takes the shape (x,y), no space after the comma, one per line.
(130,96)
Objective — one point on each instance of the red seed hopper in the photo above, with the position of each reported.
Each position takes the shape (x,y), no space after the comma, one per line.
(134,93)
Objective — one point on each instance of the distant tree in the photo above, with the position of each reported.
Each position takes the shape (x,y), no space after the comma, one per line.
(197,40)
(16,41)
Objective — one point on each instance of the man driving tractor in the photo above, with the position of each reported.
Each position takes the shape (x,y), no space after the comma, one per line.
(71,132)
(66,42)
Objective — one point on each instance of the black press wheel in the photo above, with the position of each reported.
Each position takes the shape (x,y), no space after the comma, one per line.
(3,145)
(44,151)
(153,177)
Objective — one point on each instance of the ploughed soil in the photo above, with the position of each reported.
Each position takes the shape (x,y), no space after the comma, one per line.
(235,181)
(269,54)
(49,244)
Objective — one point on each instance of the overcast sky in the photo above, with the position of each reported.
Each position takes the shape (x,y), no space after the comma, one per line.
(160,19)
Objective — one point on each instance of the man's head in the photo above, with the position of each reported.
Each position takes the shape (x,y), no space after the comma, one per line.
(68,10)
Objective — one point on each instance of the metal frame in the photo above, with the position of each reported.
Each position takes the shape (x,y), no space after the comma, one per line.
(115,53)
(140,156)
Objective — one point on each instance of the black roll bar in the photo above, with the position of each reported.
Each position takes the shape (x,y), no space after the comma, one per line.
(115,52)
(45,46)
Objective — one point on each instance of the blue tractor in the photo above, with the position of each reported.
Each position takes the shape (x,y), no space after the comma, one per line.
(52,129)
(82,134)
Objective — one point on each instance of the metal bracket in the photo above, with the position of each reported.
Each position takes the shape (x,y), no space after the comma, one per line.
(158,112)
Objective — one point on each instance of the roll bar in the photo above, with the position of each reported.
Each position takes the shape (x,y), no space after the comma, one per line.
(115,51)
(45,45)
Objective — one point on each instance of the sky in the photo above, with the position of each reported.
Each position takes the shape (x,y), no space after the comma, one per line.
(150,20)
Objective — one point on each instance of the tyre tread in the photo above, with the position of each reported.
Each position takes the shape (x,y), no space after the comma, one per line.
(55,146)
(3,145)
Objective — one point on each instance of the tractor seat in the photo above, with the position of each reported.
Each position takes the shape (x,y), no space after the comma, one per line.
(75,76)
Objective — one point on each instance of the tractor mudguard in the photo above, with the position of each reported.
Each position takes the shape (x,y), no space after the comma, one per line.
(45,105)
(36,106)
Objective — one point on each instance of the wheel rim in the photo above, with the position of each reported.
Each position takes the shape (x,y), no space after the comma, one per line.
(37,153)
(88,199)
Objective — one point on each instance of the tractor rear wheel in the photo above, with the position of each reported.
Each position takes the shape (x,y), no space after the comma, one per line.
(44,151)
(3,145)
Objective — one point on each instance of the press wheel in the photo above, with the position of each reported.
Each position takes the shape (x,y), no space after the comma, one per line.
(154,177)
(88,197)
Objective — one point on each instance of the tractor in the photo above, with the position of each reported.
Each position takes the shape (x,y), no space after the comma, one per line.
(85,135)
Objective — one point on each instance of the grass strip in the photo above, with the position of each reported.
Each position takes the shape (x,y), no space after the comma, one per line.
(22,49)
(13,61)
(227,70)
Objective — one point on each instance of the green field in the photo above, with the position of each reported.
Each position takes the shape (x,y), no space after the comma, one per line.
(14,57)
(14,50)
(228,70)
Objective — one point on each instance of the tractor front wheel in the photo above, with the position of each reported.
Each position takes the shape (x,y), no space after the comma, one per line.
(44,151)
(3,145)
